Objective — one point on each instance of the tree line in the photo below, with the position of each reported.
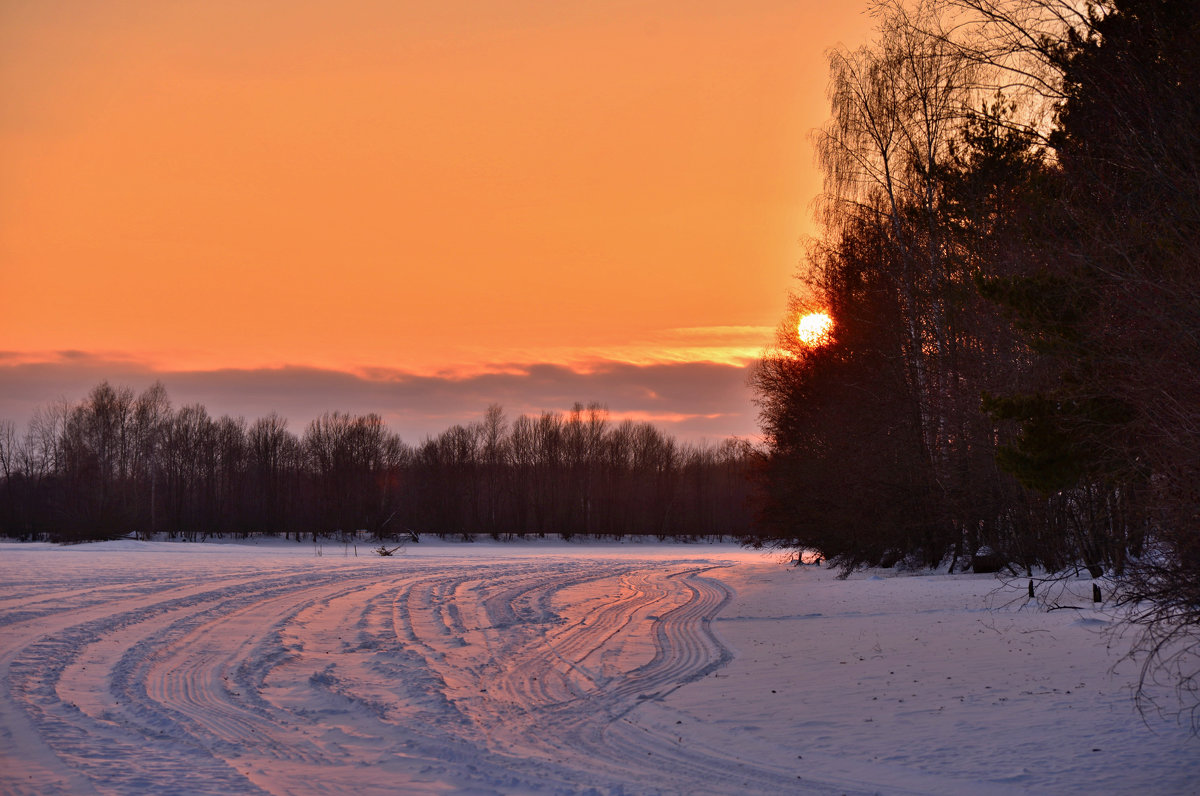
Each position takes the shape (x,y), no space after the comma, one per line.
(1011,254)
(117,463)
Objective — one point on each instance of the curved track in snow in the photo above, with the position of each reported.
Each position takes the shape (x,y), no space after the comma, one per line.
(396,676)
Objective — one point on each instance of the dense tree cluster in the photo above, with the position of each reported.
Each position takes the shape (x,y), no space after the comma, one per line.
(119,463)
(1012,257)
(877,446)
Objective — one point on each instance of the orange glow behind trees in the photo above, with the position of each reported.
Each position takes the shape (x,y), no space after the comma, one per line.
(813,329)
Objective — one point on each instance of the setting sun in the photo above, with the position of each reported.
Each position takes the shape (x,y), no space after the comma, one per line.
(813,329)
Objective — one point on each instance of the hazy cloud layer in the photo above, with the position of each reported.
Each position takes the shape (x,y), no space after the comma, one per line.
(690,400)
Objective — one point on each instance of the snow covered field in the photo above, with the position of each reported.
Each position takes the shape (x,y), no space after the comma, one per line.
(155,668)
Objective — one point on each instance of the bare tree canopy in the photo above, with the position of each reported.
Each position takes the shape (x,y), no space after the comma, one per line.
(116,463)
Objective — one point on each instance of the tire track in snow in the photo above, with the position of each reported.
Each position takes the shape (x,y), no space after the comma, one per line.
(100,746)
(548,700)
(514,676)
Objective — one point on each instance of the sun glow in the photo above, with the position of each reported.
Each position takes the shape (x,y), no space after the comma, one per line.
(813,329)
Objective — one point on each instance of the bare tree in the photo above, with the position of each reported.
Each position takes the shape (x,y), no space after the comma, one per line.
(896,107)
(273,454)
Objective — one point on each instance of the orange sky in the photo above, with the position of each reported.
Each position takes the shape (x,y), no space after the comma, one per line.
(404,188)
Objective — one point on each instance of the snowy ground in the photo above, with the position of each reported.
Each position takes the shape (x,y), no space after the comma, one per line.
(156,668)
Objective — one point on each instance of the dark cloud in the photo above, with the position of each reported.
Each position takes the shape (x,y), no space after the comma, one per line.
(690,400)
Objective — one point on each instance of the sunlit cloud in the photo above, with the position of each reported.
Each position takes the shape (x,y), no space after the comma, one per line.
(727,345)
(661,417)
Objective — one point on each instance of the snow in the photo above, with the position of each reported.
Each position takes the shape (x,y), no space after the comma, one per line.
(153,667)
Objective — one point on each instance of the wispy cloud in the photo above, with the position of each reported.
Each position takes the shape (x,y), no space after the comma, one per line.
(726,345)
